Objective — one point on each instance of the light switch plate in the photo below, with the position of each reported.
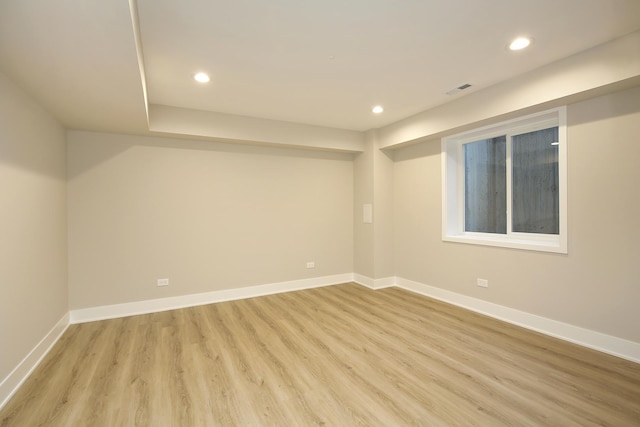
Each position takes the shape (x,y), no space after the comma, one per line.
(367,213)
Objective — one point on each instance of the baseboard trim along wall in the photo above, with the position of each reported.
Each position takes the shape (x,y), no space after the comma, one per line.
(12,382)
(374,283)
(365,281)
(587,338)
(171,303)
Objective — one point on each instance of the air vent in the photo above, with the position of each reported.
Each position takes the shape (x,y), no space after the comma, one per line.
(459,89)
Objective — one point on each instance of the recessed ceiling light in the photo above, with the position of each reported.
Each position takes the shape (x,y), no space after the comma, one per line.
(201,77)
(377,109)
(520,43)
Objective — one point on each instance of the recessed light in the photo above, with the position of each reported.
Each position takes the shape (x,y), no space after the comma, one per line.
(520,43)
(201,77)
(377,109)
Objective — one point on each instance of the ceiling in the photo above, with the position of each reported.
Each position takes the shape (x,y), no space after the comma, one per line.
(324,63)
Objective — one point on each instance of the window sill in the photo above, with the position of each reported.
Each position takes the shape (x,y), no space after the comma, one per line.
(552,244)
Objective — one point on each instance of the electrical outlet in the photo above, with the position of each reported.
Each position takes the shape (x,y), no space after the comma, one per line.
(483,283)
(311,264)
(163,282)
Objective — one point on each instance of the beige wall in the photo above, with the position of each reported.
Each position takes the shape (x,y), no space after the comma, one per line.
(383,212)
(373,184)
(595,286)
(208,216)
(363,243)
(33,281)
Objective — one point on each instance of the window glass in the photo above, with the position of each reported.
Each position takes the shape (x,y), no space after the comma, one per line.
(535,196)
(485,185)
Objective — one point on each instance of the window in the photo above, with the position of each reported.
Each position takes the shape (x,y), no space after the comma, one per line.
(505,184)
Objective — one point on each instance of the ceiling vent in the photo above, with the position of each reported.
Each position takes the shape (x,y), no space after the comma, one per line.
(459,89)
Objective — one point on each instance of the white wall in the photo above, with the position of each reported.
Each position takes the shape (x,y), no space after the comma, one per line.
(33,266)
(597,285)
(208,216)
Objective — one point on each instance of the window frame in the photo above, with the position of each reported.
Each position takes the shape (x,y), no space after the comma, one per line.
(453,203)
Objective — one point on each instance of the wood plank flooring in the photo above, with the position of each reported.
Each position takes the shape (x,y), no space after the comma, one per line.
(336,356)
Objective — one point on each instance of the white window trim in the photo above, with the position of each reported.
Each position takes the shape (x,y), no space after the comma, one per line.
(453,182)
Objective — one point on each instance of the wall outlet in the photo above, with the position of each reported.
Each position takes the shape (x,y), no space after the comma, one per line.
(311,264)
(483,283)
(163,282)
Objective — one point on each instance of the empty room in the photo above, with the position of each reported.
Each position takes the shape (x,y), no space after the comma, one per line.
(336,213)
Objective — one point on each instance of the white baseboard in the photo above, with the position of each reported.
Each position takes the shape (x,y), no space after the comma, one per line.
(587,338)
(385,282)
(12,382)
(171,303)
(365,281)
(374,283)
(598,341)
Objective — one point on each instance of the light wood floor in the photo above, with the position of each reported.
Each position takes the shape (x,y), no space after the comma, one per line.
(336,356)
